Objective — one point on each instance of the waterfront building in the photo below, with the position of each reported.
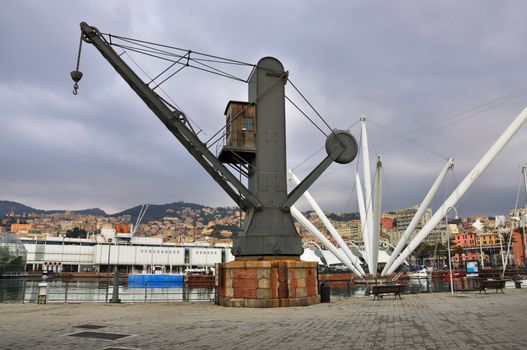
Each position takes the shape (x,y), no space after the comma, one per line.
(127,254)
(492,242)
(404,216)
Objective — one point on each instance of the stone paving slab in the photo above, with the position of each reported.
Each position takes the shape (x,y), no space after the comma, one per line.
(418,321)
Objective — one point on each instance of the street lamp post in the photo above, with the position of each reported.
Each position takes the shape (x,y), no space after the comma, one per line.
(448,245)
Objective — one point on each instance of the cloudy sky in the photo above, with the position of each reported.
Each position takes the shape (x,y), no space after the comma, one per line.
(433,80)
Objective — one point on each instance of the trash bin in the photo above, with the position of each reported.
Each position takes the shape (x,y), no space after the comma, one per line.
(518,284)
(325,293)
(42,293)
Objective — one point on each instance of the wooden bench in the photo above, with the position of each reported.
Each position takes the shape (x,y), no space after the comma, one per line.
(379,290)
(491,284)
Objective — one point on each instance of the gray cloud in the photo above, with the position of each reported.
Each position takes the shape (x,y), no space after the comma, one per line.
(408,66)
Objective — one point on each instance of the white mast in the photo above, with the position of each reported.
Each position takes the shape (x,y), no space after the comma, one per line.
(524,171)
(463,186)
(376,230)
(326,242)
(140,216)
(364,223)
(420,211)
(327,223)
(523,220)
(367,189)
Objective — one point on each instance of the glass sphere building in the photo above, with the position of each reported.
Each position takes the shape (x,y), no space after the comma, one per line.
(13,254)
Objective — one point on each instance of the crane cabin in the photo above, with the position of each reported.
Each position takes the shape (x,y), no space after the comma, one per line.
(240,133)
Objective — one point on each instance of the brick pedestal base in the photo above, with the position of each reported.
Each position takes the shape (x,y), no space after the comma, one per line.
(267,283)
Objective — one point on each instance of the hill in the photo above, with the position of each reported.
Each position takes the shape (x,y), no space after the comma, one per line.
(19,209)
(155,212)
(158,211)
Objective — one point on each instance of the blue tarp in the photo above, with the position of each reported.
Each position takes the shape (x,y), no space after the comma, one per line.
(157,281)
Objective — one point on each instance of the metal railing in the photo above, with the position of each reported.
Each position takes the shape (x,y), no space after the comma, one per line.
(96,291)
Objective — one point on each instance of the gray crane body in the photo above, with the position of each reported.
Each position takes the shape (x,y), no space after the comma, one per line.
(269,228)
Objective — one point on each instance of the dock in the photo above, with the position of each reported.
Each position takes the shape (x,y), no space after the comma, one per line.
(417,321)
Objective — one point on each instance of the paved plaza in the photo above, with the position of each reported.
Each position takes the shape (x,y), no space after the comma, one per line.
(418,321)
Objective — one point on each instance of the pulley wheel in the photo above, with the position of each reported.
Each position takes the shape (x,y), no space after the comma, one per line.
(341,138)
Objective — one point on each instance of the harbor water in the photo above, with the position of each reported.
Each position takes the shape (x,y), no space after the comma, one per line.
(100,290)
(27,290)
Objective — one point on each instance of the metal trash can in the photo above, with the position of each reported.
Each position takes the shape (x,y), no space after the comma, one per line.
(518,284)
(42,293)
(325,293)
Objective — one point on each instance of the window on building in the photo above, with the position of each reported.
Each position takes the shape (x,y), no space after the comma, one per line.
(247,124)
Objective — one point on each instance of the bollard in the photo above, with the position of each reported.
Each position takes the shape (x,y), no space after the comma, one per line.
(24,292)
(66,292)
(427,285)
(42,293)
(325,293)
(115,292)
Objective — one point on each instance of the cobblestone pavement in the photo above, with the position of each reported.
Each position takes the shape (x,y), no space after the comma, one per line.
(419,321)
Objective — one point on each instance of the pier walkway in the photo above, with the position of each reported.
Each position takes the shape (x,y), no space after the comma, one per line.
(418,321)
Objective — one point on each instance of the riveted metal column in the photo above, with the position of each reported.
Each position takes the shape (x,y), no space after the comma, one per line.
(269,231)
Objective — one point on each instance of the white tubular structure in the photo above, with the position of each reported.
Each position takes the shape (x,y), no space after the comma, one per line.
(420,211)
(376,230)
(140,216)
(367,189)
(364,223)
(354,260)
(463,186)
(524,171)
(524,218)
(326,242)
(508,252)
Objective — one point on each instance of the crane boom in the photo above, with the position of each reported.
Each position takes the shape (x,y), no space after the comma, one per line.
(174,120)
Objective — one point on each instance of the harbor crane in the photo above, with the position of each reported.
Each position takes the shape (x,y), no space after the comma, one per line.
(268,229)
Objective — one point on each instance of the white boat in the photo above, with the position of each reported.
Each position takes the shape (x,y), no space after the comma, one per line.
(512,284)
(423,273)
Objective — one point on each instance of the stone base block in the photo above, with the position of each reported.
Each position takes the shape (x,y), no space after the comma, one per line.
(267,283)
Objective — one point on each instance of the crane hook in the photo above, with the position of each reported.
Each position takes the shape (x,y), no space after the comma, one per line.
(76,74)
